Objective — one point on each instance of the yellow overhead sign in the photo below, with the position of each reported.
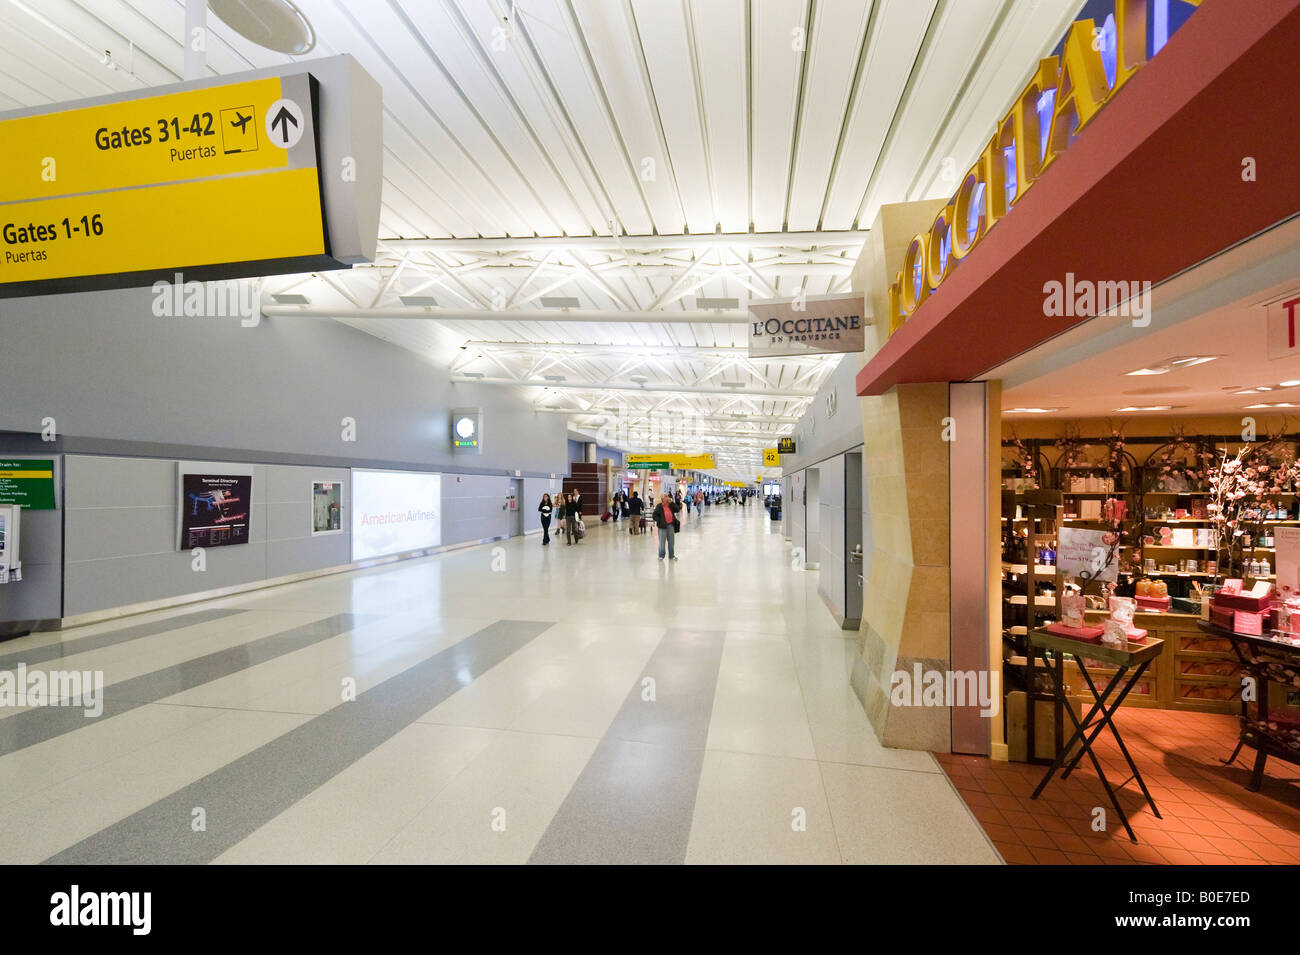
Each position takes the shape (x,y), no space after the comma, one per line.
(771,458)
(197,133)
(681,462)
(219,181)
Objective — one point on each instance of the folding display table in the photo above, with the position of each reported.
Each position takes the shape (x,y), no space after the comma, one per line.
(1134,657)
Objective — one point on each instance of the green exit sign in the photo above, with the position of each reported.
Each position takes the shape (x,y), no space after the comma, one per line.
(649,466)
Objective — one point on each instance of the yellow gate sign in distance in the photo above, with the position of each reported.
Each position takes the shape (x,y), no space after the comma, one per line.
(771,458)
(216,182)
(676,461)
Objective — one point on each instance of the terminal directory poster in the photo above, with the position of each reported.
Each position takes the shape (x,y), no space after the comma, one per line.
(215,509)
(27,482)
(395,512)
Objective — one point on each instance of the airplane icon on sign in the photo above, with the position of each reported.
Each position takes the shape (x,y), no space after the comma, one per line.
(238,132)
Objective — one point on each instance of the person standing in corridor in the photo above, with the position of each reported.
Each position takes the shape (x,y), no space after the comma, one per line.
(665,517)
(545,508)
(635,506)
(572,514)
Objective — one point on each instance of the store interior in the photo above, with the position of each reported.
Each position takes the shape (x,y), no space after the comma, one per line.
(1130,430)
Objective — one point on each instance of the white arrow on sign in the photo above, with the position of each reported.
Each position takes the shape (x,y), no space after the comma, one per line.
(284,123)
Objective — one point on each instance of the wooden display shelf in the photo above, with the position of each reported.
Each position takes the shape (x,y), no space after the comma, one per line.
(1166,676)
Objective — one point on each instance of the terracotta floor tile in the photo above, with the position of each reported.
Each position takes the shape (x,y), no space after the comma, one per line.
(1233,848)
(1193,842)
(1050,857)
(1055,824)
(1143,852)
(987,815)
(1017,855)
(1020,820)
(1069,842)
(1190,857)
(1208,816)
(1270,853)
(1160,837)
(1001,834)
(1205,827)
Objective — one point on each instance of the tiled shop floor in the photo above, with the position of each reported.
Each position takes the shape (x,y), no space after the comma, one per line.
(1208,815)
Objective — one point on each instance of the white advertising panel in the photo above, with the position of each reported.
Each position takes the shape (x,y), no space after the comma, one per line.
(394,512)
(1085,552)
(1287,560)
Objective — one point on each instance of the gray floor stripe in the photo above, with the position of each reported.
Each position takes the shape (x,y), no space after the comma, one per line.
(46,722)
(66,648)
(634,801)
(244,795)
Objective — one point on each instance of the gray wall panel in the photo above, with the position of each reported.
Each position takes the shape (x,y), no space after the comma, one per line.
(105,367)
(472,507)
(96,533)
(830,584)
(121,554)
(305,554)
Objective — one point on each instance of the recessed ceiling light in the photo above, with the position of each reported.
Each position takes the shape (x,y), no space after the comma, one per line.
(1169,364)
(1289,384)
(1264,388)
(1279,404)
(1030,410)
(1150,408)
(1157,390)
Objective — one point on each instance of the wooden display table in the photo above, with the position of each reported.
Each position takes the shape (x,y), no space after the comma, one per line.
(1135,657)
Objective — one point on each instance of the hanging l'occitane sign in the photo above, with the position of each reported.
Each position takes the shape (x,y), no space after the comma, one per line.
(1064,95)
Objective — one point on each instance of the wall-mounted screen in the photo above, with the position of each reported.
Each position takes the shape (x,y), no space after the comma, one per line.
(394,512)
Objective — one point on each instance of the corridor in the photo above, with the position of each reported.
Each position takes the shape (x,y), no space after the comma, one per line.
(502,703)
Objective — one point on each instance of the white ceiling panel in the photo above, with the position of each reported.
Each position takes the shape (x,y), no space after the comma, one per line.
(669,55)
(838,31)
(779,47)
(893,47)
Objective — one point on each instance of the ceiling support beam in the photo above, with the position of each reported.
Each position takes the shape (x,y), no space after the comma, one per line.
(851,238)
(764,395)
(689,317)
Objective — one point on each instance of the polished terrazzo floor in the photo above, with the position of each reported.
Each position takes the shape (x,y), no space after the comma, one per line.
(505,703)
